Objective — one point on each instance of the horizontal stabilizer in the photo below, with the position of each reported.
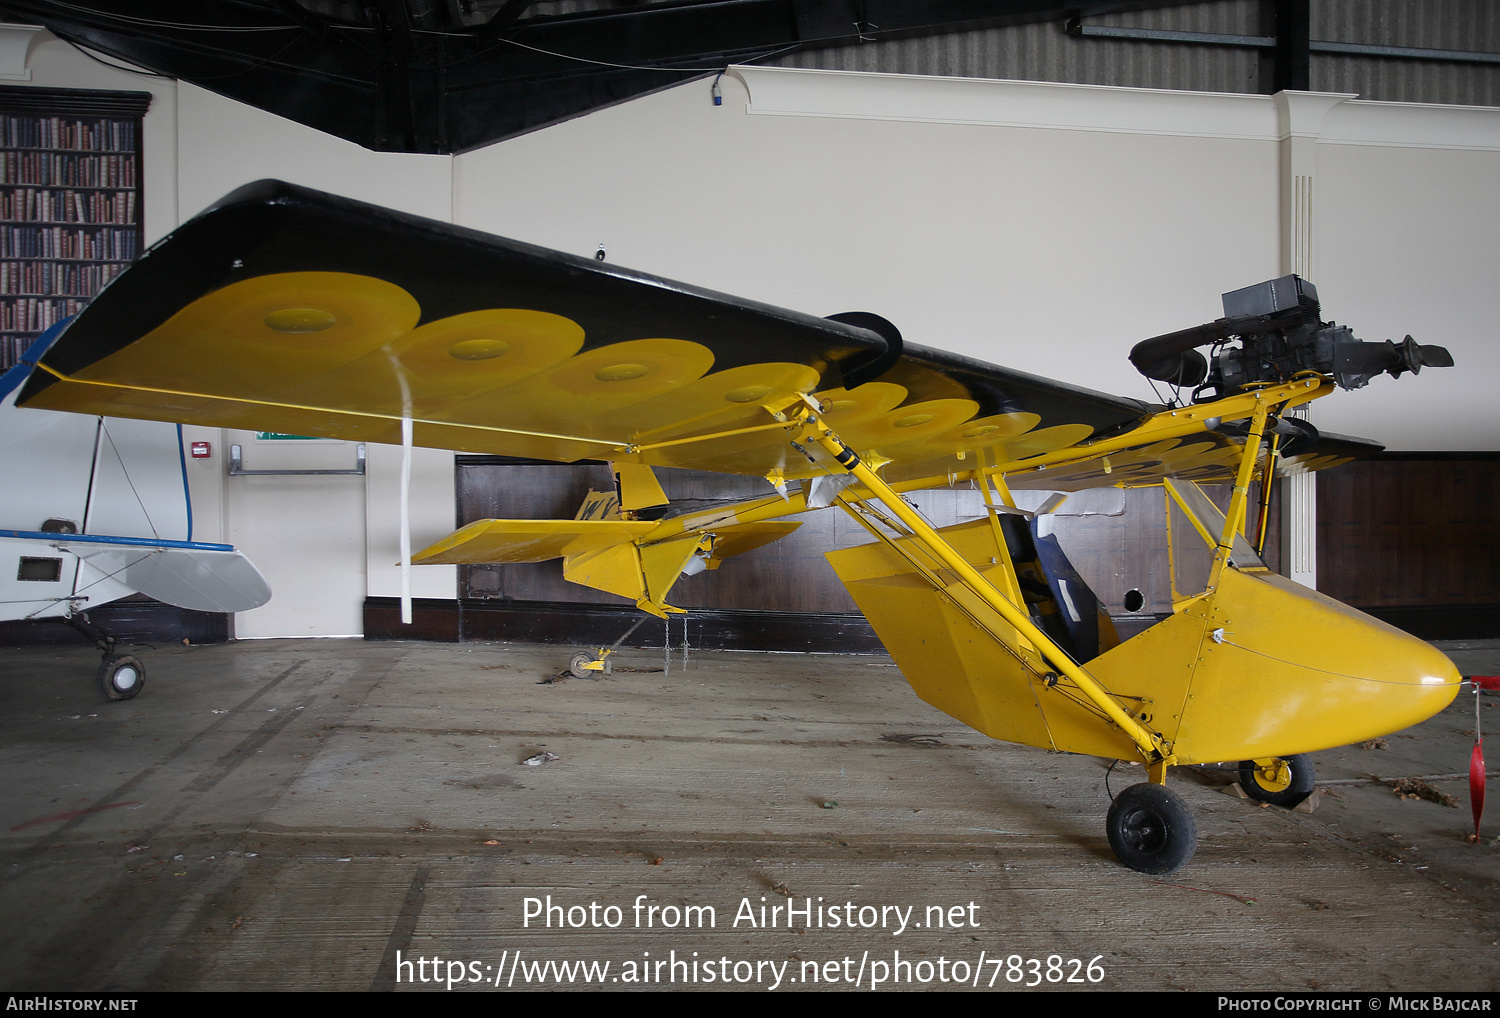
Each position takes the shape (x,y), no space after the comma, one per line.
(738,538)
(188,574)
(194,578)
(506,542)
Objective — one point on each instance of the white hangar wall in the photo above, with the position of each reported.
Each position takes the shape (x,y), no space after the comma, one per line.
(1046,227)
(1037,226)
(1409,242)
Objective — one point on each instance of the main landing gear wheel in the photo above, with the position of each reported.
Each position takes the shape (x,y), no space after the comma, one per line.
(1279,780)
(121,676)
(1151,829)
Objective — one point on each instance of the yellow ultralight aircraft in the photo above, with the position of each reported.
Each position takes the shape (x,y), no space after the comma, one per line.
(282,309)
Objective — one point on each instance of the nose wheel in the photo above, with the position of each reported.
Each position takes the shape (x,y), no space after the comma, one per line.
(1151,829)
(1279,780)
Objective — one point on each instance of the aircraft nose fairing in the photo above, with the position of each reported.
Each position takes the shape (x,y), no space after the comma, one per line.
(1284,666)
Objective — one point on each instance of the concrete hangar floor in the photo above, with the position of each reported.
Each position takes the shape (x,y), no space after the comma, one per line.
(336,814)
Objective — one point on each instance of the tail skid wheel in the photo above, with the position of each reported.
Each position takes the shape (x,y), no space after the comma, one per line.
(121,676)
(1151,829)
(1281,781)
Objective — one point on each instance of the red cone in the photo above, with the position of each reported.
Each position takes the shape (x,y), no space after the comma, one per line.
(1476,784)
(1476,759)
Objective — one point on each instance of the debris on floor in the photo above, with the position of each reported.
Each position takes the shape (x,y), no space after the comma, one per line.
(1416,788)
(537,759)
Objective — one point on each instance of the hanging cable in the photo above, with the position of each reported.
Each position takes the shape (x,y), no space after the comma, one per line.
(187,494)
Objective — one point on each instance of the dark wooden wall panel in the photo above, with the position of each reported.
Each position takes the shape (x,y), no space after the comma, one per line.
(1116,539)
(1410,532)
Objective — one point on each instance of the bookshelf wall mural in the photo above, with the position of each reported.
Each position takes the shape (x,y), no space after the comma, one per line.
(70,203)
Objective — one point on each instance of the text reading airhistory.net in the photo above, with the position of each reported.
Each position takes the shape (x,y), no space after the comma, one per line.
(811,914)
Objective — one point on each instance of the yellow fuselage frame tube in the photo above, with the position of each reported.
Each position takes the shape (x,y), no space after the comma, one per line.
(1146,742)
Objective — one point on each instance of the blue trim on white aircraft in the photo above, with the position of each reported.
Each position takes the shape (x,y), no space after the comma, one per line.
(134,542)
(18,372)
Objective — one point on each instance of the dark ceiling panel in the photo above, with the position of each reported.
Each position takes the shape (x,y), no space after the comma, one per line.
(439,81)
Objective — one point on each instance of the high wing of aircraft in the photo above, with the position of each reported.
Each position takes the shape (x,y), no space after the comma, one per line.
(289,310)
(96,510)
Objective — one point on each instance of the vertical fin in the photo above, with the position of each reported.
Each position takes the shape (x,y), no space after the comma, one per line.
(639,488)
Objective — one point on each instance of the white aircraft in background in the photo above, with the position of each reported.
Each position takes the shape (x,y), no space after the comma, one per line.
(96,509)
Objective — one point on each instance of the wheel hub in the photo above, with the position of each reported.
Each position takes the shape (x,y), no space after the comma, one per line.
(1273,775)
(1145,831)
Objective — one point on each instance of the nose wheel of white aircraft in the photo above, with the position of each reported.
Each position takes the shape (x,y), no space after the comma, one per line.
(121,676)
(1279,780)
(1151,829)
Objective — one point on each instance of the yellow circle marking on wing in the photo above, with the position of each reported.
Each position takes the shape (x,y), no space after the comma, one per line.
(301,320)
(968,436)
(913,423)
(639,367)
(259,338)
(1034,443)
(621,372)
(843,407)
(748,394)
(478,349)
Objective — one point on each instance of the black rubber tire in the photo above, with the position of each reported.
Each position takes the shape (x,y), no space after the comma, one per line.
(576,666)
(1303,776)
(1151,829)
(121,676)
